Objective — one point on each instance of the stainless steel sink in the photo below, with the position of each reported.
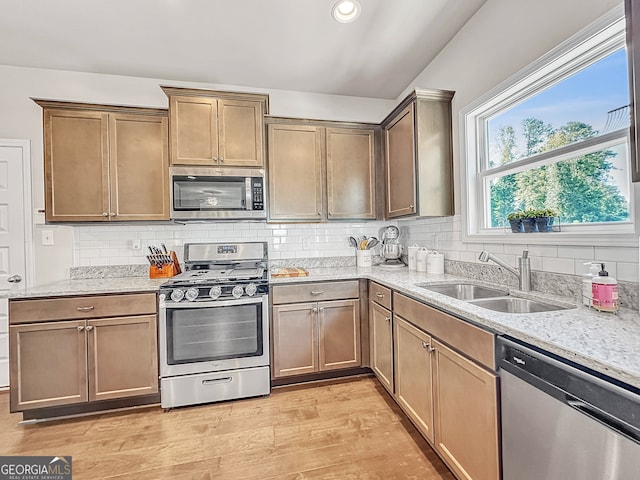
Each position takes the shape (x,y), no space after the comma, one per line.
(465,291)
(516,305)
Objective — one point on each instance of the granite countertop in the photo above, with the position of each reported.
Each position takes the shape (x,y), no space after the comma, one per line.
(91,286)
(604,342)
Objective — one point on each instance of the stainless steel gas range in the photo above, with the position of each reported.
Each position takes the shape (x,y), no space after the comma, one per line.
(214,325)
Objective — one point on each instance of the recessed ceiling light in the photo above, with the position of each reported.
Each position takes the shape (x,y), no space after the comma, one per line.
(346,11)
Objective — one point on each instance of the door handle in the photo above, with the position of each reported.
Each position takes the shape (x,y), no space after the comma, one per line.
(379,295)
(14,279)
(88,308)
(89,328)
(317,292)
(80,328)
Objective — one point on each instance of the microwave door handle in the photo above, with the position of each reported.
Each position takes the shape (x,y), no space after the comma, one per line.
(248,204)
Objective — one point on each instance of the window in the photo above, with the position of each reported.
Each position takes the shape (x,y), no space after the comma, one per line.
(556,137)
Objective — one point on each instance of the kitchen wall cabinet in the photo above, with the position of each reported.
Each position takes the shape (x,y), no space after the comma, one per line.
(105,163)
(381,328)
(418,156)
(321,171)
(73,350)
(318,335)
(632,17)
(223,129)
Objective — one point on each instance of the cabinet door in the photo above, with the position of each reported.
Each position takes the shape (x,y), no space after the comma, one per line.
(339,326)
(193,128)
(295,339)
(48,364)
(123,358)
(414,388)
(400,164)
(350,173)
(76,168)
(295,173)
(466,416)
(139,167)
(240,134)
(381,344)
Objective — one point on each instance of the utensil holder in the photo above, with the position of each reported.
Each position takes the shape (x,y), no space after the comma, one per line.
(364,258)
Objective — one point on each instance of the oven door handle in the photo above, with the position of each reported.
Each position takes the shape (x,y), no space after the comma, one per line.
(217,303)
(213,381)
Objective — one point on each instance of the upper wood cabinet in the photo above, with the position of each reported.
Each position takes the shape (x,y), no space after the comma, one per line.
(418,156)
(223,129)
(320,171)
(632,16)
(296,183)
(105,163)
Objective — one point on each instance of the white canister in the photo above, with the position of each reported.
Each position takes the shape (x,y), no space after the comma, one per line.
(435,263)
(363,258)
(421,259)
(412,256)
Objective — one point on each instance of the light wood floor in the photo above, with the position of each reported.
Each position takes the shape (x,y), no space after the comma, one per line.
(340,430)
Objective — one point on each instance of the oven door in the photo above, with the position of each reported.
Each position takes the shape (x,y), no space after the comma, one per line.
(213,336)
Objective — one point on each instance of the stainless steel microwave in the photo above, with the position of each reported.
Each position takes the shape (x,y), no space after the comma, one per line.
(209,193)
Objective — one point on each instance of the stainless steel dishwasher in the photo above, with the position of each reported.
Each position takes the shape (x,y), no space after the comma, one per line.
(560,422)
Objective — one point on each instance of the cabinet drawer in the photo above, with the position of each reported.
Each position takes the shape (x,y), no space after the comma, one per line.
(315,292)
(474,342)
(380,295)
(69,308)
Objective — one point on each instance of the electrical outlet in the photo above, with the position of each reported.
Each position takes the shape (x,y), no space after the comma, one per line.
(136,244)
(306,243)
(47,237)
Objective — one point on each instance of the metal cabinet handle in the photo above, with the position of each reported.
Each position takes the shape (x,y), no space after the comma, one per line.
(221,159)
(105,214)
(14,279)
(80,328)
(88,308)
(112,214)
(321,309)
(89,328)
(425,345)
(317,292)
(314,310)
(388,319)
(379,295)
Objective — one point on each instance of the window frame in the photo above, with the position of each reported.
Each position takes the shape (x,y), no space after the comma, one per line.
(585,48)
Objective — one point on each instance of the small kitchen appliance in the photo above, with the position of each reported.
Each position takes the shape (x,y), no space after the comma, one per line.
(391,248)
(214,325)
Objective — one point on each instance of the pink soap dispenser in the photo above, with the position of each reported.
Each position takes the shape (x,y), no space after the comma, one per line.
(604,290)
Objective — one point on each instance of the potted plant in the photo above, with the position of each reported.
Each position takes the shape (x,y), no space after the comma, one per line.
(529,220)
(544,219)
(515,220)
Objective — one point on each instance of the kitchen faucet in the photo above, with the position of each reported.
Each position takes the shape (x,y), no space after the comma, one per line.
(523,274)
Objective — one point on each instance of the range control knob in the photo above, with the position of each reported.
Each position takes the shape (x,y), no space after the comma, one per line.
(192,294)
(215,292)
(177,294)
(237,291)
(251,289)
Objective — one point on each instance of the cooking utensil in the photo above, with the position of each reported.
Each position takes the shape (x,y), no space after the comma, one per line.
(353,242)
(372,242)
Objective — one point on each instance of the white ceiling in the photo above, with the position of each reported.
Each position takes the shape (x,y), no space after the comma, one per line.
(277,44)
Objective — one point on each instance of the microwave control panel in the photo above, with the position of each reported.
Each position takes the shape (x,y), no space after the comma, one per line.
(258,193)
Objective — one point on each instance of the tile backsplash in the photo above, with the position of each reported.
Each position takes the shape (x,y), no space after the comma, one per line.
(113,244)
(445,235)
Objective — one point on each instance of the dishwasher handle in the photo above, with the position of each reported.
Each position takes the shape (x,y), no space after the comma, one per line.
(604,418)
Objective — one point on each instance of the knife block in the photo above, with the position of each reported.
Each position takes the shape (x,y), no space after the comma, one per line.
(165,271)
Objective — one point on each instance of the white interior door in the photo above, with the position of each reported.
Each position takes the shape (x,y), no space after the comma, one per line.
(15,236)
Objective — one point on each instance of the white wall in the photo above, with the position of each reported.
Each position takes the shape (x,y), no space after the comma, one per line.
(501,39)
(21,118)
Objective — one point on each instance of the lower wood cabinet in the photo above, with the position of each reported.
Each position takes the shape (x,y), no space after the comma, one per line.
(466,430)
(413,365)
(310,337)
(381,325)
(65,362)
